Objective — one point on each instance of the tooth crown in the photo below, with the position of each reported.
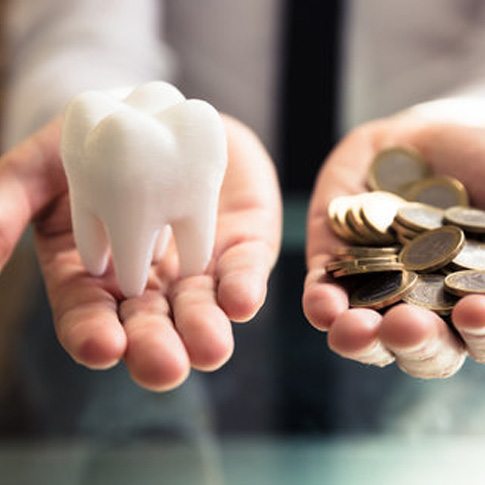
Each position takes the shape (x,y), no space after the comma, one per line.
(137,165)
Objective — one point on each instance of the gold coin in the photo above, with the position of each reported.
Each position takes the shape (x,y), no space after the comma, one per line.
(429,292)
(332,219)
(364,251)
(395,168)
(364,261)
(350,263)
(405,231)
(380,291)
(469,219)
(337,209)
(420,217)
(381,239)
(438,191)
(403,240)
(466,282)
(433,249)
(336,227)
(334,266)
(357,237)
(472,256)
(379,210)
(354,219)
(368,268)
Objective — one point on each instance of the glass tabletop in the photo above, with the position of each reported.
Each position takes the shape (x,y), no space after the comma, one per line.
(359,460)
(285,410)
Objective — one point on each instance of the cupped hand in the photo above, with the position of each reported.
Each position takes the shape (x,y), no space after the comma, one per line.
(418,340)
(177,323)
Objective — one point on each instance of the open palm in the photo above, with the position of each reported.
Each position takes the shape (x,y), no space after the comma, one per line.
(176,323)
(417,339)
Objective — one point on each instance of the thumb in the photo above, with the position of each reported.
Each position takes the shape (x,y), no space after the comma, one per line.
(31,178)
(458,151)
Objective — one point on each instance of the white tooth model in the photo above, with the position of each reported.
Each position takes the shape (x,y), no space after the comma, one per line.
(135,168)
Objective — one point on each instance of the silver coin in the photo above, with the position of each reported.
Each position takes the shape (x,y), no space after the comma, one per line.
(429,292)
(468,218)
(420,217)
(472,255)
(466,282)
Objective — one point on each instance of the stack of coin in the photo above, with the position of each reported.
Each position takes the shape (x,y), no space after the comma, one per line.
(427,253)
(360,264)
(365,218)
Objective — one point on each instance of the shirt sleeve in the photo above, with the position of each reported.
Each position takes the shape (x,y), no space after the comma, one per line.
(57,48)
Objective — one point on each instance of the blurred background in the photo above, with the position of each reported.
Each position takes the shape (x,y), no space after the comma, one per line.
(284,409)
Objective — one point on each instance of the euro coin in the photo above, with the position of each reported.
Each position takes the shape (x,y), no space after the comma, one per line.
(355,229)
(466,282)
(439,191)
(355,220)
(362,262)
(364,251)
(337,209)
(405,231)
(420,217)
(469,219)
(368,268)
(403,240)
(429,292)
(395,168)
(472,256)
(379,210)
(433,249)
(339,216)
(380,291)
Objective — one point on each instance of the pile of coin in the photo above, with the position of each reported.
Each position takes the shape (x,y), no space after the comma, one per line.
(413,239)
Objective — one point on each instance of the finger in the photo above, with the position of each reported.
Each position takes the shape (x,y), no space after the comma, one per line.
(423,344)
(84,308)
(469,319)
(243,271)
(156,356)
(202,325)
(31,177)
(355,335)
(340,175)
(322,300)
(457,151)
(249,225)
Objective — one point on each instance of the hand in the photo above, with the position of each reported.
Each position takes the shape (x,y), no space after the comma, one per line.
(177,323)
(417,339)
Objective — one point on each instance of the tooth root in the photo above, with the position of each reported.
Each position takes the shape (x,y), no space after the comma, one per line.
(132,252)
(194,237)
(91,239)
(161,245)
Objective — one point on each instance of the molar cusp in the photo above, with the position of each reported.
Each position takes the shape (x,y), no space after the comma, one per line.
(154,97)
(91,107)
(126,140)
